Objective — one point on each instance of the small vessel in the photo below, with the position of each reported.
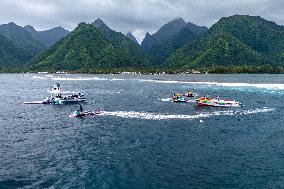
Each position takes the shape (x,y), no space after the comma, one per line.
(178,98)
(84,113)
(203,101)
(60,97)
(190,94)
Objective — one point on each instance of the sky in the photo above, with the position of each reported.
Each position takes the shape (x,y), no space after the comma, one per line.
(136,16)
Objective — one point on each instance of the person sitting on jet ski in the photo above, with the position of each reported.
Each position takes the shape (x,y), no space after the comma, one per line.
(190,94)
(176,96)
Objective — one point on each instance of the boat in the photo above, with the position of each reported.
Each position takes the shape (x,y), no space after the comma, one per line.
(84,113)
(58,96)
(178,98)
(217,102)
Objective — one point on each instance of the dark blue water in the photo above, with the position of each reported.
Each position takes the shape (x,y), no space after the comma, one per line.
(142,140)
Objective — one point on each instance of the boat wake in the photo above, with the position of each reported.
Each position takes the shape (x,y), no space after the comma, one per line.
(272,86)
(157,116)
(165,99)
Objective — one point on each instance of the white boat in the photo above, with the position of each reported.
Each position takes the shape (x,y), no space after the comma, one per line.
(61,97)
(217,102)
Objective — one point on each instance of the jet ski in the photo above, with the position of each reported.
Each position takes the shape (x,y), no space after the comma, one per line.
(191,95)
(84,113)
(178,98)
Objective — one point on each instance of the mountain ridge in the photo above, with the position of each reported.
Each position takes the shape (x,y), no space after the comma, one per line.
(21,38)
(130,36)
(254,41)
(85,49)
(162,43)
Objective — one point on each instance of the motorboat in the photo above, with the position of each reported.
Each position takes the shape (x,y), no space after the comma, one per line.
(178,98)
(203,101)
(58,96)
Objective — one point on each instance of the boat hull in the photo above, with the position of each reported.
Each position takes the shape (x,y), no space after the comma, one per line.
(218,103)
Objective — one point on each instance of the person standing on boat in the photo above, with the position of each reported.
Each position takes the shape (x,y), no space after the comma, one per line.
(218,98)
(80,111)
(81,108)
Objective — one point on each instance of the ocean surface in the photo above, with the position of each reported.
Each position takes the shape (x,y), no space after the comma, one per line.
(142,140)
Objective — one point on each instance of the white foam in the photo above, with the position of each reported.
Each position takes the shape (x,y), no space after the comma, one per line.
(255,111)
(38,77)
(78,79)
(117,79)
(157,116)
(272,86)
(165,99)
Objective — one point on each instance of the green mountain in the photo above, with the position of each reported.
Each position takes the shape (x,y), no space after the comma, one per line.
(21,38)
(128,46)
(170,37)
(165,48)
(85,49)
(233,41)
(168,30)
(131,37)
(11,56)
(47,37)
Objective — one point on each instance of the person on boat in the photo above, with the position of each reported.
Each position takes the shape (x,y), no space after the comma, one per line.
(81,108)
(190,94)
(207,97)
(80,111)
(218,98)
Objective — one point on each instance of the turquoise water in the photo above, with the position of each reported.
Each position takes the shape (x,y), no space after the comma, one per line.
(142,140)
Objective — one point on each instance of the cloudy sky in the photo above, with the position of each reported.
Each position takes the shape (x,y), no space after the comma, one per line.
(136,16)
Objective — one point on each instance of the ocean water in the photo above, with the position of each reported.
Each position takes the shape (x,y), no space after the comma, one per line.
(142,140)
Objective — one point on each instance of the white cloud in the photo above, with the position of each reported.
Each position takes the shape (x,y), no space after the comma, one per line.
(137,16)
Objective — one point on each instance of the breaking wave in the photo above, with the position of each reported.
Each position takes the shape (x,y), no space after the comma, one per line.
(272,86)
(78,79)
(38,77)
(157,116)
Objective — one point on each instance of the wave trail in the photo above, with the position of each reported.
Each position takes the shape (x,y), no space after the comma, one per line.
(157,116)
